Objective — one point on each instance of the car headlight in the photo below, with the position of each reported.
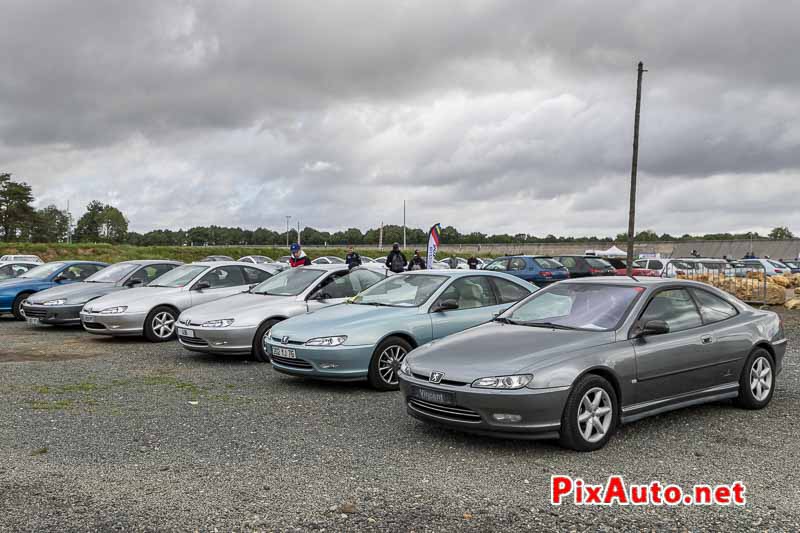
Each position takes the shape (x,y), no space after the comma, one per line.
(327,341)
(114,310)
(221,323)
(404,368)
(503,382)
(60,301)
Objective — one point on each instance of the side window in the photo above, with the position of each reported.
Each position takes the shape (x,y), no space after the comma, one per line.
(499,265)
(363,279)
(337,285)
(656,265)
(255,275)
(470,293)
(150,272)
(7,272)
(80,272)
(675,307)
(568,262)
(18,270)
(228,276)
(641,263)
(247,260)
(713,308)
(509,292)
(517,263)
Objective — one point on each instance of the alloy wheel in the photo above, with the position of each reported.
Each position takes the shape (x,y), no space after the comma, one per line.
(595,414)
(163,325)
(389,363)
(761,378)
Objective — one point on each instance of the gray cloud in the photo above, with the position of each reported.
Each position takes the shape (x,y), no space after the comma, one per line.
(490,116)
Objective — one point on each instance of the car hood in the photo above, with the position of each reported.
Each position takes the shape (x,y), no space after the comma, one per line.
(131,297)
(244,308)
(74,292)
(497,349)
(353,320)
(13,284)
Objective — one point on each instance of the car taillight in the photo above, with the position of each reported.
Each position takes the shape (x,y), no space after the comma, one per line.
(546,273)
(595,271)
(778,270)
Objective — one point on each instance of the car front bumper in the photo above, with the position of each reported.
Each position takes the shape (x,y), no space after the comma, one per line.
(344,363)
(65,315)
(472,410)
(217,340)
(122,324)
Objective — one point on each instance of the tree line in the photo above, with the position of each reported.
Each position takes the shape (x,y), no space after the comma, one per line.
(21,222)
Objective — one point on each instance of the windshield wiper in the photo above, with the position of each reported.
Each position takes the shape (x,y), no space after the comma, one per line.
(504,320)
(376,304)
(552,325)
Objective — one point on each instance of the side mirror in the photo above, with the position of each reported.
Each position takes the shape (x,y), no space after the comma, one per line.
(446,305)
(60,278)
(654,327)
(200,285)
(133,282)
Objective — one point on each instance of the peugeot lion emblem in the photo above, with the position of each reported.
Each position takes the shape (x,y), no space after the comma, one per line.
(436,377)
(284,340)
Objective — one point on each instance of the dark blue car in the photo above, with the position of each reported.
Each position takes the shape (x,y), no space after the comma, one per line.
(14,291)
(538,269)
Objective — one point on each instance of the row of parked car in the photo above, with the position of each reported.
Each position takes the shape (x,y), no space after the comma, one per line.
(483,351)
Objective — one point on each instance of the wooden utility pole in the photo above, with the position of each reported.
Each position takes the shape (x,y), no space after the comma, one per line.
(634,163)
(404,224)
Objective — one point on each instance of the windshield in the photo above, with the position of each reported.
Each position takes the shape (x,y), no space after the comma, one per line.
(576,306)
(546,262)
(43,271)
(288,283)
(597,263)
(178,277)
(112,274)
(404,290)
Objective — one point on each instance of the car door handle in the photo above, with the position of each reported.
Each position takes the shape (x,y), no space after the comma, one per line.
(706,339)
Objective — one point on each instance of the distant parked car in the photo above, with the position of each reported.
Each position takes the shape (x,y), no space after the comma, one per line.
(14,291)
(238,324)
(153,310)
(621,266)
(368,337)
(257,259)
(650,264)
(328,260)
(539,270)
(62,304)
(794,266)
(584,266)
(770,267)
(216,258)
(22,259)
(13,269)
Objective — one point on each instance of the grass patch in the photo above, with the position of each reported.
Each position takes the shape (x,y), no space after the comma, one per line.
(55,405)
(39,451)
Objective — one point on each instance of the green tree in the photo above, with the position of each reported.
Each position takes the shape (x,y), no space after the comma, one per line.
(50,225)
(88,227)
(16,212)
(781,232)
(113,225)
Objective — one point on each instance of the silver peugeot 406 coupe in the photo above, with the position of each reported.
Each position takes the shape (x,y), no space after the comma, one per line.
(576,359)
(238,324)
(62,304)
(153,310)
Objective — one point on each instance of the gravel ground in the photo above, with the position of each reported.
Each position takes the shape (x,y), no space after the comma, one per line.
(102,434)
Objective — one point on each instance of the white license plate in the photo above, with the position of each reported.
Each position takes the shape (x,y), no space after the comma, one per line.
(88,318)
(183,332)
(288,353)
(33,321)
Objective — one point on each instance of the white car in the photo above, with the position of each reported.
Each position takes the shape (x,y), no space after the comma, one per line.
(12,269)
(328,260)
(153,310)
(21,258)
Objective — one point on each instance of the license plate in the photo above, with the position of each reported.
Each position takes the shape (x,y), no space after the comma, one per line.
(434,396)
(33,321)
(288,353)
(183,332)
(88,318)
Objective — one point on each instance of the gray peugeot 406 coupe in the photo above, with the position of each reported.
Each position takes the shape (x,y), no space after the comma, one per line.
(62,304)
(576,359)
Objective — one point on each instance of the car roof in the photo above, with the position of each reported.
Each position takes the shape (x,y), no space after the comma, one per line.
(333,267)
(70,262)
(641,281)
(227,263)
(151,262)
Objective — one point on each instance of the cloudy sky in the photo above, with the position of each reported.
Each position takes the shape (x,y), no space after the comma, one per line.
(493,116)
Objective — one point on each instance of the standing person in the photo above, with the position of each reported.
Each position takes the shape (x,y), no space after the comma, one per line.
(396,261)
(417,262)
(298,257)
(472,262)
(353,259)
(453,262)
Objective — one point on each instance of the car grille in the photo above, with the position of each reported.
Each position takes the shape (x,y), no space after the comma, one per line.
(193,341)
(292,363)
(443,382)
(93,325)
(34,312)
(452,412)
(278,340)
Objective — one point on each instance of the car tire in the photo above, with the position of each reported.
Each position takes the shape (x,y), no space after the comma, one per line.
(385,363)
(16,307)
(161,324)
(582,428)
(758,374)
(258,352)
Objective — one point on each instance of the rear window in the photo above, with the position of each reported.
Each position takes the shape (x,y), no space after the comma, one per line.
(546,262)
(597,263)
(616,263)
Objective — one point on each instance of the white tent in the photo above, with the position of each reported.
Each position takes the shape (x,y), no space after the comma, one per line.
(613,252)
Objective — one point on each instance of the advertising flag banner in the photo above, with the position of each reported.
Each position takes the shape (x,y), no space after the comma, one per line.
(433,244)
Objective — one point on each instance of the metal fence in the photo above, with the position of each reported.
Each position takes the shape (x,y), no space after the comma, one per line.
(747,282)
